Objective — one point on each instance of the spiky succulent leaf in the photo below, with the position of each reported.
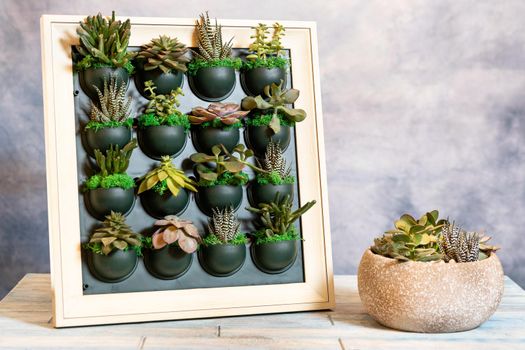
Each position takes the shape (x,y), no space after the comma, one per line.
(164,53)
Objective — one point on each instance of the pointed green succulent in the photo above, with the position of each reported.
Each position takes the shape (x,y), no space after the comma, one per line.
(164,53)
(209,40)
(462,246)
(277,102)
(174,178)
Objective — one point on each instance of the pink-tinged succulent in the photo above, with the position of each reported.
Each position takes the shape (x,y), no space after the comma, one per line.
(173,229)
(226,113)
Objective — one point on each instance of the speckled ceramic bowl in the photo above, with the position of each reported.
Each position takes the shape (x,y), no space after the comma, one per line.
(430,297)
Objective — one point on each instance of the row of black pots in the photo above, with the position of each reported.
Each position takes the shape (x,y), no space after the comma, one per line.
(211,84)
(101,201)
(158,141)
(171,262)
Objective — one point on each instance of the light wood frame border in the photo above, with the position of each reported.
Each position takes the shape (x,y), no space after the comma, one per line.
(71,307)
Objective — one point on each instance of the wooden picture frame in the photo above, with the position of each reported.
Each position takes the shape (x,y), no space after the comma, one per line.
(71,306)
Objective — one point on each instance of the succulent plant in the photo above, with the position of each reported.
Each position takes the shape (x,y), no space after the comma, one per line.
(217,114)
(174,178)
(164,53)
(277,171)
(115,234)
(224,225)
(162,105)
(116,160)
(412,239)
(104,41)
(176,230)
(263,45)
(277,101)
(113,104)
(209,41)
(461,246)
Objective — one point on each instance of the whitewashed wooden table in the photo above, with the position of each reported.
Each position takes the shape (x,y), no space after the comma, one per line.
(25,315)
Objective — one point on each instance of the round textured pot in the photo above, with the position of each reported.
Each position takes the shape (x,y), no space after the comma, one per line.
(162,140)
(102,139)
(213,84)
(96,76)
(258,193)
(275,257)
(114,267)
(219,196)
(205,138)
(254,80)
(430,297)
(222,260)
(164,82)
(159,206)
(167,263)
(101,201)
(258,137)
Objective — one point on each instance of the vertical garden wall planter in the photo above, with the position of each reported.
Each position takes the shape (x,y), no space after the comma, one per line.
(254,80)
(91,77)
(258,193)
(213,84)
(222,260)
(159,206)
(204,138)
(219,196)
(102,139)
(162,140)
(101,202)
(114,267)
(258,137)
(275,257)
(167,263)
(164,82)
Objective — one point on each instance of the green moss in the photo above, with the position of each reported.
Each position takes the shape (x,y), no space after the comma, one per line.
(90,62)
(274,178)
(269,62)
(211,239)
(123,181)
(151,119)
(161,187)
(216,123)
(263,119)
(290,235)
(226,178)
(197,64)
(97,248)
(96,126)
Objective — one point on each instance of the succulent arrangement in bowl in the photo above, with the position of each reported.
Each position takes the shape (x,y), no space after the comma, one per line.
(111,189)
(162,61)
(275,246)
(103,52)
(460,269)
(223,249)
(162,128)
(110,119)
(217,124)
(221,177)
(164,190)
(271,118)
(212,71)
(265,64)
(113,249)
(168,252)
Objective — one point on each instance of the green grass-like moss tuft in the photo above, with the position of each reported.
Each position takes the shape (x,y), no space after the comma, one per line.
(226,178)
(269,62)
(211,239)
(89,62)
(197,64)
(274,178)
(96,126)
(263,119)
(262,238)
(151,119)
(97,248)
(216,123)
(123,181)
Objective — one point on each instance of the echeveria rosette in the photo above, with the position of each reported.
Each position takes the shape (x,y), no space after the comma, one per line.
(277,101)
(218,114)
(176,230)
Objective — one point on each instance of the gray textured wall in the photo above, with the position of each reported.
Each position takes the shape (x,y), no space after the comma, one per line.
(424,106)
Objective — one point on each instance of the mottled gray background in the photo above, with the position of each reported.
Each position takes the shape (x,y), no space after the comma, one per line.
(424,105)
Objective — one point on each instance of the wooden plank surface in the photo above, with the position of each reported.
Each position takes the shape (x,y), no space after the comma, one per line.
(25,315)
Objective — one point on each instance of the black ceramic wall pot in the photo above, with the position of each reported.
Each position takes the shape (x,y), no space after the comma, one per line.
(266,193)
(101,201)
(213,84)
(205,138)
(114,267)
(162,140)
(254,80)
(222,260)
(159,206)
(96,77)
(164,82)
(258,137)
(276,257)
(102,139)
(167,263)
(220,196)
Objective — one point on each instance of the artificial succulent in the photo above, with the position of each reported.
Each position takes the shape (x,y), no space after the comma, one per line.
(114,234)
(218,115)
(462,246)
(164,53)
(223,228)
(176,230)
(264,45)
(166,176)
(274,163)
(113,107)
(162,109)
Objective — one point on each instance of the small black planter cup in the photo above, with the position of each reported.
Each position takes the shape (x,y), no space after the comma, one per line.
(164,82)
(159,206)
(219,196)
(101,201)
(114,267)
(222,260)
(167,263)
(96,77)
(102,139)
(162,140)
(213,84)
(258,137)
(275,257)
(254,80)
(205,138)
(258,193)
